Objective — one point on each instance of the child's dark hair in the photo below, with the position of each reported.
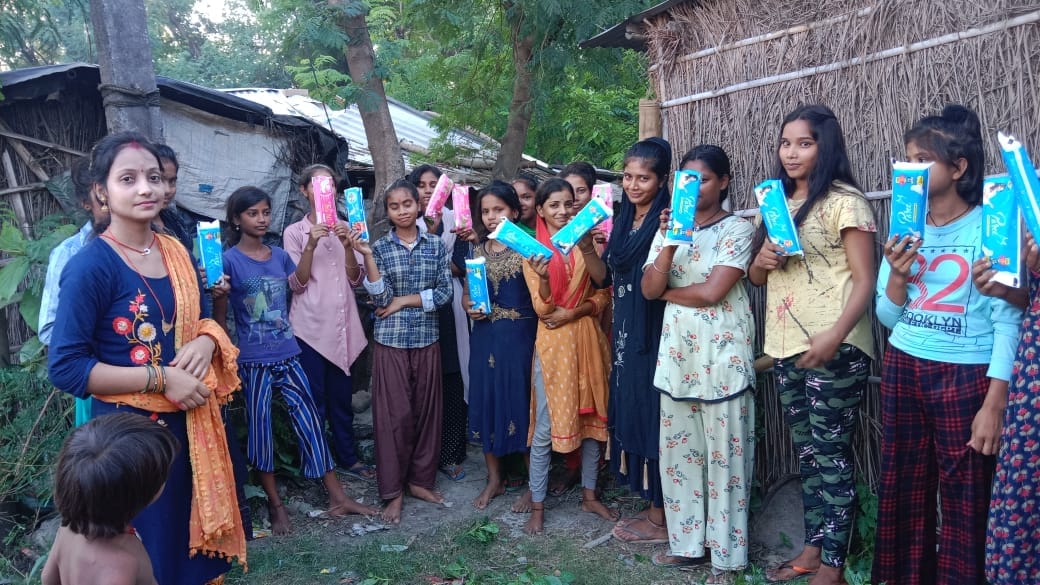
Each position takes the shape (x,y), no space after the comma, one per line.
(715,159)
(549,187)
(242,199)
(656,152)
(109,470)
(582,169)
(503,191)
(416,175)
(82,188)
(832,161)
(951,136)
(404,184)
(308,173)
(165,152)
(530,180)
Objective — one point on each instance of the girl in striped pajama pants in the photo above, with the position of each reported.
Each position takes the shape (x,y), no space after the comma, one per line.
(261,277)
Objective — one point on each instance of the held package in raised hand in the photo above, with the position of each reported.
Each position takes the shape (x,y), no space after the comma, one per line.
(324,189)
(517,239)
(460,205)
(211,254)
(476,281)
(1023,179)
(1001,230)
(356,211)
(772,204)
(686,191)
(909,199)
(605,193)
(440,196)
(593,214)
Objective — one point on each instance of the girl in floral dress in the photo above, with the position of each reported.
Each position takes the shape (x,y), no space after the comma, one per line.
(705,373)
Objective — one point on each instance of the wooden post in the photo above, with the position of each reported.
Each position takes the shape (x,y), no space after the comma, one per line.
(649,119)
(128,88)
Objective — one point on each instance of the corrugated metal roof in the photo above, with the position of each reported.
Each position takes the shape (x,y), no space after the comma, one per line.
(413,127)
(414,130)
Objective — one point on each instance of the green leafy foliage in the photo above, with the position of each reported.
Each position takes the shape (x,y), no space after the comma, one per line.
(483,531)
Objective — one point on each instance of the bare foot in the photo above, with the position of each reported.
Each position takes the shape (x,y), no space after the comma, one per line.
(424,494)
(589,503)
(280,524)
(536,523)
(522,505)
(492,490)
(640,515)
(341,507)
(392,512)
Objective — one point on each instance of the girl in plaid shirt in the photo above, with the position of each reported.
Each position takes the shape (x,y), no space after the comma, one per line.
(409,279)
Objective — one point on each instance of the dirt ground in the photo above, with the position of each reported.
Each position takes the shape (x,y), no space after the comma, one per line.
(774,531)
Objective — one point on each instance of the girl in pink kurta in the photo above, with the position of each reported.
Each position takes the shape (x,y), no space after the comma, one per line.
(324,317)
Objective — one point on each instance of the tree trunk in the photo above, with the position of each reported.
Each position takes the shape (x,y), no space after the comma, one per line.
(520,110)
(375,112)
(128,88)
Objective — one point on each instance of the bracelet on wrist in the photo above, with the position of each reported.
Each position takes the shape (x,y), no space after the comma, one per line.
(654,266)
(160,386)
(150,384)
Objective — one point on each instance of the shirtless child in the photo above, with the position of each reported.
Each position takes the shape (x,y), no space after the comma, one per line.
(108,471)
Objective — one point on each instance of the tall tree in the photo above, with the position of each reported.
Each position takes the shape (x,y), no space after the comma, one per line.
(371,101)
(521,107)
(29,34)
(128,88)
(522,92)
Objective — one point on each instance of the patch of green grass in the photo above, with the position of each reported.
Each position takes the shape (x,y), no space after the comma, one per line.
(448,552)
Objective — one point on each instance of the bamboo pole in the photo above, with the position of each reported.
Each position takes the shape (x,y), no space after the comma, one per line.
(1003,25)
(17,202)
(26,156)
(6,132)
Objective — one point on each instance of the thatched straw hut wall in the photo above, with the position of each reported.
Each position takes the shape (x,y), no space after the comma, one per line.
(727,71)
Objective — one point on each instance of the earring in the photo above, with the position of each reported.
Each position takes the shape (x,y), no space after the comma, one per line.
(237,227)
(104,205)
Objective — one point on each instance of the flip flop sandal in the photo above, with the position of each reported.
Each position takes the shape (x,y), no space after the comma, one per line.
(799,572)
(663,559)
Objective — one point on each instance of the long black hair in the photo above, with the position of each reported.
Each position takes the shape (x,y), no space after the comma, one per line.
(832,163)
(242,199)
(951,136)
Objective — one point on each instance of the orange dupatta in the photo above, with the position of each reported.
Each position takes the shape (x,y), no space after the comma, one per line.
(215,527)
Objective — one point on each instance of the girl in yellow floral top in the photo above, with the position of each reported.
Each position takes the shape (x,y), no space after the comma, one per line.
(817,329)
